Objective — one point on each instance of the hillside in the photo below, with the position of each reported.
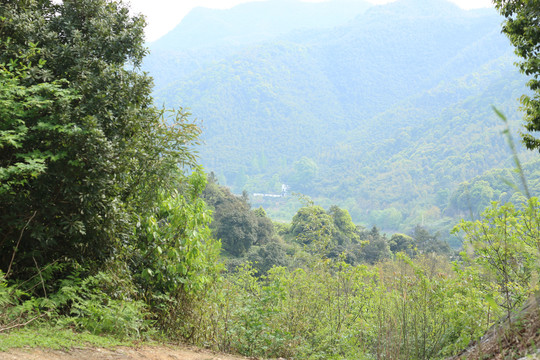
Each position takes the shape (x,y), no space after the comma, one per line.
(114,236)
(516,339)
(397,101)
(252,22)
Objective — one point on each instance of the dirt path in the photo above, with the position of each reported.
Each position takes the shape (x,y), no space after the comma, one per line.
(119,353)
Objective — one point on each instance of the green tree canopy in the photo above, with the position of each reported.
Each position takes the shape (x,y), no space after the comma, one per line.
(346,231)
(312,223)
(427,243)
(235,223)
(84,153)
(377,248)
(523,30)
(402,243)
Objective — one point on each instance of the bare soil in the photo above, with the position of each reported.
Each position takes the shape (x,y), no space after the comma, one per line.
(118,353)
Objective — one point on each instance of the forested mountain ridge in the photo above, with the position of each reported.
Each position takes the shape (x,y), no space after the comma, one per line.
(421,153)
(256,21)
(207,35)
(395,101)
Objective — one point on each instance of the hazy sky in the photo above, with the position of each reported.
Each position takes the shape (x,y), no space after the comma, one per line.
(163,15)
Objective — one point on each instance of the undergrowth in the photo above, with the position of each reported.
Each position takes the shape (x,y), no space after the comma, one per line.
(81,305)
(44,335)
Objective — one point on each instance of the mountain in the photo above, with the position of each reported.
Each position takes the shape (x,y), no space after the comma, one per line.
(389,110)
(207,36)
(252,22)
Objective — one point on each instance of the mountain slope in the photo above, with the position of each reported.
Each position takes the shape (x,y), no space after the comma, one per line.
(252,22)
(389,110)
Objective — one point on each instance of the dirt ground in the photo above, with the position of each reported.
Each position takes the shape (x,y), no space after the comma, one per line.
(119,353)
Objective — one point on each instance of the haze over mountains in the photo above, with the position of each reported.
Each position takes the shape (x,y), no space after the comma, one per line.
(254,22)
(382,109)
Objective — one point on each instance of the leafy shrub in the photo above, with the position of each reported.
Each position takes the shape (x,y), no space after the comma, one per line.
(505,245)
(91,308)
(175,262)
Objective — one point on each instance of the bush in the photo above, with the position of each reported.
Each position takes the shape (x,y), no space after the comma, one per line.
(90,308)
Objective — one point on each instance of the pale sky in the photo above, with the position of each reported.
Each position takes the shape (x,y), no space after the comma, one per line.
(163,15)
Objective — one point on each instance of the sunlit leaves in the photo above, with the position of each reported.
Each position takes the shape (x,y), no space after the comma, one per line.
(505,242)
(523,30)
(175,256)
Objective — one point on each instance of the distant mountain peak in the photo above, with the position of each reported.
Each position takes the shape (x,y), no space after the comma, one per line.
(257,21)
(419,8)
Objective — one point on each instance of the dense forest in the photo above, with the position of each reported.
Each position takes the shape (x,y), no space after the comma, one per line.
(373,97)
(387,142)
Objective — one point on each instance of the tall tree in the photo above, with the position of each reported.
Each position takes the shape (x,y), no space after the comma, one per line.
(522,26)
(77,116)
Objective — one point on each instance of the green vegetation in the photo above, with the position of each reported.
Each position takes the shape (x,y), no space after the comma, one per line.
(390,304)
(521,28)
(249,235)
(106,217)
(506,244)
(102,228)
(84,153)
(50,337)
(373,115)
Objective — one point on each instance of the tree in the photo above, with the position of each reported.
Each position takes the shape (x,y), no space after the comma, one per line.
(402,243)
(303,173)
(311,224)
(235,223)
(427,243)
(505,242)
(267,256)
(19,105)
(346,231)
(175,262)
(236,226)
(377,248)
(265,228)
(523,30)
(85,153)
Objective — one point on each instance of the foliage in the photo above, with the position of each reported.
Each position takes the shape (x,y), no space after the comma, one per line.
(521,27)
(312,224)
(332,234)
(84,151)
(472,197)
(100,225)
(402,243)
(346,231)
(163,277)
(175,261)
(505,243)
(308,107)
(263,258)
(93,309)
(88,305)
(235,224)
(427,243)
(303,174)
(377,247)
(103,231)
(39,111)
(403,309)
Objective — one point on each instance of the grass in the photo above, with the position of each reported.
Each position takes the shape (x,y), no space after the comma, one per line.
(51,337)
